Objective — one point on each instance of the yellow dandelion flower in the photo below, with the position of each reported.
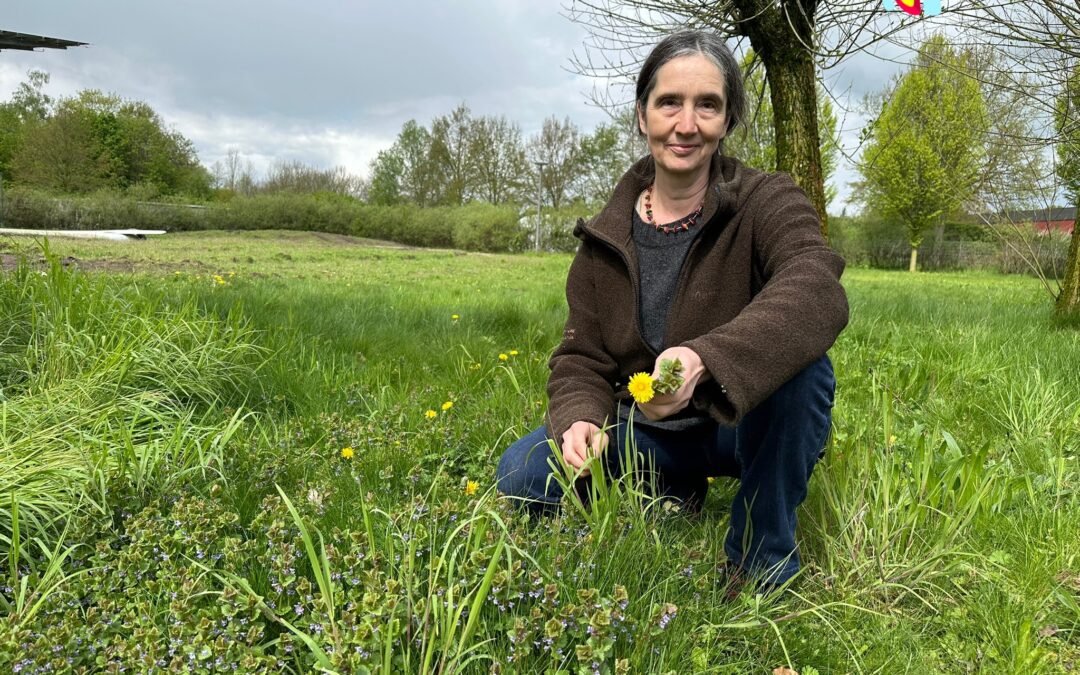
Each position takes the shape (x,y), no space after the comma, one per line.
(471,487)
(446,406)
(503,357)
(640,387)
(219,280)
(347,453)
(430,414)
(892,440)
(454,317)
(513,352)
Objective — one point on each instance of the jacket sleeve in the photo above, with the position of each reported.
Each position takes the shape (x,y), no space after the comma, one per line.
(582,372)
(793,319)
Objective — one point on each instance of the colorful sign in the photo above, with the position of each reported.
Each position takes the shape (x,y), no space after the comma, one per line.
(914,7)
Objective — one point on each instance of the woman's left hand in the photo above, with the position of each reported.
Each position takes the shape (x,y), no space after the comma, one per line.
(694,371)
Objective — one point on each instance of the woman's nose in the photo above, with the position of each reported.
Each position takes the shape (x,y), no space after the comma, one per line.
(687,122)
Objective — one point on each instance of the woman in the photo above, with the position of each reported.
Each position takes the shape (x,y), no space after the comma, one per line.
(699,258)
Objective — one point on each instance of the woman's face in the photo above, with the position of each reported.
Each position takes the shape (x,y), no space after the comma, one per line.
(685,117)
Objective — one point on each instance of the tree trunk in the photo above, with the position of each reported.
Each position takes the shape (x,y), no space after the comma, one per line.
(1068,302)
(914,259)
(939,237)
(778,33)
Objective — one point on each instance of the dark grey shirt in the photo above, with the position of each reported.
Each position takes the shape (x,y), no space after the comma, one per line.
(660,259)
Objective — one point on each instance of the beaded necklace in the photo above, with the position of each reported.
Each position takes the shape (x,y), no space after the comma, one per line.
(681,226)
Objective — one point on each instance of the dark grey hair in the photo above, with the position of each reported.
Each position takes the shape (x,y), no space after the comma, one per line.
(710,45)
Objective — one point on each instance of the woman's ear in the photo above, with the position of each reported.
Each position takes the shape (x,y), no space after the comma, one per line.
(640,119)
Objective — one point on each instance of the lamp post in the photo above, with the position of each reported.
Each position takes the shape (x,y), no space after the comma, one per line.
(539,186)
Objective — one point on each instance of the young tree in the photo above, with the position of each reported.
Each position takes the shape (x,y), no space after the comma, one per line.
(557,147)
(450,155)
(927,145)
(387,170)
(406,172)
(606,154)
(498,169)
(28,107)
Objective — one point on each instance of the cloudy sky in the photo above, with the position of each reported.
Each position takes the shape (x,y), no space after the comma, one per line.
(330,82)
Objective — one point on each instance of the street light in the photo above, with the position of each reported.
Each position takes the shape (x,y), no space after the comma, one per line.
(539,185)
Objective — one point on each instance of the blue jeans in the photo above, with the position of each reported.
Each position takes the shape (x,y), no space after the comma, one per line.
(772,452)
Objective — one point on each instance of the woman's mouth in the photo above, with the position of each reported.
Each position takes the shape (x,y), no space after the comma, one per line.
(680,149)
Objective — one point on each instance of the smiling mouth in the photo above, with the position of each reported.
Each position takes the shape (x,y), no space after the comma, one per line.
(683,149)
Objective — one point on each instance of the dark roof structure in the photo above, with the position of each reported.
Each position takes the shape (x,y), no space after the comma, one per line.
(25,42)
(1052,214)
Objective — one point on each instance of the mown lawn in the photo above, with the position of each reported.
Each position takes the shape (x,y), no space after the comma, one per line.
(176,493)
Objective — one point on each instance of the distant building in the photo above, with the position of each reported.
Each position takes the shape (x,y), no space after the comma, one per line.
(1056,218)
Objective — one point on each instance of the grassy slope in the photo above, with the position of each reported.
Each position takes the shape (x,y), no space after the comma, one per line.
(940,532)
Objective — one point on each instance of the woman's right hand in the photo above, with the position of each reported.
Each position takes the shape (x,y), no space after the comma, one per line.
(582,441)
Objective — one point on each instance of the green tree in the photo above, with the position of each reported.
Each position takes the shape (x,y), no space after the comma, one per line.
(60,154)
(406,171)
(387,170)
(29,106)
(95,140)
(557,147)
(450,155)
(498,170)
(606,154)
(927,146)
(1067,124)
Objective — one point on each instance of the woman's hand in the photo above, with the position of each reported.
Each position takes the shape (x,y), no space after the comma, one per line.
(582,441)
(694,371)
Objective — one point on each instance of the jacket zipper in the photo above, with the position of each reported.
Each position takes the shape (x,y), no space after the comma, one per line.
(633,283)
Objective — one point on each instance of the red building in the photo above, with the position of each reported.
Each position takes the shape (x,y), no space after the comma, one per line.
(1057,219)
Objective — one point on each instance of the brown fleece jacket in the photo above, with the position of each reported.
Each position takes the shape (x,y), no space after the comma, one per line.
(758,298)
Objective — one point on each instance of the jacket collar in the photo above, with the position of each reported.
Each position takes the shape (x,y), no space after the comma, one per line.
(612,224)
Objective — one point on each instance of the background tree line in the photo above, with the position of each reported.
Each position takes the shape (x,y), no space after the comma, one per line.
(92,141)
(462,158)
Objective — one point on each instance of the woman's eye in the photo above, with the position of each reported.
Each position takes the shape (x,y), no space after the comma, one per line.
(668,102)
(709,105)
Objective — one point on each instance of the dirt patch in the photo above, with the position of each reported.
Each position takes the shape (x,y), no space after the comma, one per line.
(9,262)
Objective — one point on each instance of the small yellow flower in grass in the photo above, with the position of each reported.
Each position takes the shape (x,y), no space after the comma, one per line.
(430,414)
(892,441)
(503,357)
(477,366)
(454,317)
(513,352)
(446,406)
(219,280)
(471,487)
(347,453)
(640,387)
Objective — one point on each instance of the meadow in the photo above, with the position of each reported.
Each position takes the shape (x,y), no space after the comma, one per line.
(275,451)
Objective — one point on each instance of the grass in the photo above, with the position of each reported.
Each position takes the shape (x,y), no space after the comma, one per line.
(183,500)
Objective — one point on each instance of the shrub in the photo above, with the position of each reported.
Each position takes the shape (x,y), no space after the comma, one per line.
(486,227)
(559,226)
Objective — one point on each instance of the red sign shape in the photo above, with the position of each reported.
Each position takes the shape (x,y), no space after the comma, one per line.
(912,7)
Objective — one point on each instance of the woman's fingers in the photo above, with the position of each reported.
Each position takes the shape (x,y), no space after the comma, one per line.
(582,441)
